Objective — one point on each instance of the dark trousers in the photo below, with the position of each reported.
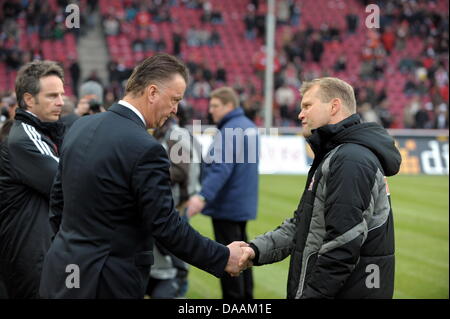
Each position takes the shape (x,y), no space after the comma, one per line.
(241,287)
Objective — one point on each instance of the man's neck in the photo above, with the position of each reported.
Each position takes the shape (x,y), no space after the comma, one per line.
(32,114)
(136,103)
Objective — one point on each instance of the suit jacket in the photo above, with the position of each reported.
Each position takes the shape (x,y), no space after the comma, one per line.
(110,198)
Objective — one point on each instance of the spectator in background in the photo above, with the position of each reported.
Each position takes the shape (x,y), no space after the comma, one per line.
(111,26)
(90,101)
(8,112)
(169,274)
(282,12)
(410,111)
(317,47)
(177,40)
(75,72)
(143,18)
(221,73)
(214,38)
(385,115)
(229,192)
(402,35)
(422,117)
(8,107)
(68,115)
(29,163)
(441,119)
(91,93)
(352,21)
(206,16)
(261,26)
(285,99)
(250,23)
(388,39)
(160,45)
(192,37)
(340,64)
(201,87)
(368,114)
(94,77)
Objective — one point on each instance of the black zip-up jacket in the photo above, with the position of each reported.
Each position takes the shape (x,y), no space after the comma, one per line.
(341,238)
(28,164)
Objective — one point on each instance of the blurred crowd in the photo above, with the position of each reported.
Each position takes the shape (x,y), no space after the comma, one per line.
(301,46)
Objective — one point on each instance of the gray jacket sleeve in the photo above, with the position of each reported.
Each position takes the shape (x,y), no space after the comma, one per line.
(277,244)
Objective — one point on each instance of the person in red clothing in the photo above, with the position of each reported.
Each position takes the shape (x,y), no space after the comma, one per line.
(388,39)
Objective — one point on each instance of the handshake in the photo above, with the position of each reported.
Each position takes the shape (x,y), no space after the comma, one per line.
(241,256)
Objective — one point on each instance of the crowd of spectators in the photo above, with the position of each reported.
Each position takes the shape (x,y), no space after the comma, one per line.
(300,46)
(427,74)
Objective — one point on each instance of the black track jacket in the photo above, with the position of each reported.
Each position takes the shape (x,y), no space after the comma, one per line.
(28,164)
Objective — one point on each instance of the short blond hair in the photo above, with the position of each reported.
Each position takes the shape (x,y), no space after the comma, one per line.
(226,95)
(330,88)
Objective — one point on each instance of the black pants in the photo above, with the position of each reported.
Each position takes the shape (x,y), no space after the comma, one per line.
(241,287)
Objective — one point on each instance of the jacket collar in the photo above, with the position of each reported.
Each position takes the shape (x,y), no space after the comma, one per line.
(235,113)
(325,138)
(127,113)
(54,130)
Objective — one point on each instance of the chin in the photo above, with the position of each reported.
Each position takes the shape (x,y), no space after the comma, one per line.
(52,119)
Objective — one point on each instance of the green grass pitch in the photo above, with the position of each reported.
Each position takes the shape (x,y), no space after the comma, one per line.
(421,214)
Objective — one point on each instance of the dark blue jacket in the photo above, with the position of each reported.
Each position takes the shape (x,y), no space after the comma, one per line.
(230,171)
(110,199)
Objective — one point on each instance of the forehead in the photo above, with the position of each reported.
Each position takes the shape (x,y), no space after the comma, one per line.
(215,101)
(50,83)
(177,85)
(310,95)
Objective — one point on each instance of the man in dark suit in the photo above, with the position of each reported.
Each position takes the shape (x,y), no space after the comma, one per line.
(112,196)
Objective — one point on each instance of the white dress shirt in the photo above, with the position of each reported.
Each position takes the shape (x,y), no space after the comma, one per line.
(135,110)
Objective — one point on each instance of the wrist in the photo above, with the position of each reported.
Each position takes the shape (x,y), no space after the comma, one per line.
(256,250)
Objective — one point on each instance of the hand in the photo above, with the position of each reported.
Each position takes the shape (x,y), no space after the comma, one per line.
(246,258)
(237,252)
(195,205)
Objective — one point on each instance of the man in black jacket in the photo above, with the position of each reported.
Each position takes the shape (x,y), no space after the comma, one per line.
(28,164)
(112,196)
(341,237)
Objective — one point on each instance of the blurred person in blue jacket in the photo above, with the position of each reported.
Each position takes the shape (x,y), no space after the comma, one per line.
(229,192)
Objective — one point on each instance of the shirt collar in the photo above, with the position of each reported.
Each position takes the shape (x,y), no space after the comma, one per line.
(135,110)
(31,113)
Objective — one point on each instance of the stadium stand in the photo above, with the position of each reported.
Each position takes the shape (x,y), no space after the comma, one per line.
(398,70)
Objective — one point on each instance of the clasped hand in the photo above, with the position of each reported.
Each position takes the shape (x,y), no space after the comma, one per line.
(241,256)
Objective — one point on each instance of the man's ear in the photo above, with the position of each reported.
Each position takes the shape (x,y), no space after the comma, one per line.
(336,106)
(152,90)
(29,100)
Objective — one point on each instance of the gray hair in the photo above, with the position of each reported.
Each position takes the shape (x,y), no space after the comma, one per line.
(154,70)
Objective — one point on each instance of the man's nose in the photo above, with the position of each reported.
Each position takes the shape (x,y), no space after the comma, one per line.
(60,100)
